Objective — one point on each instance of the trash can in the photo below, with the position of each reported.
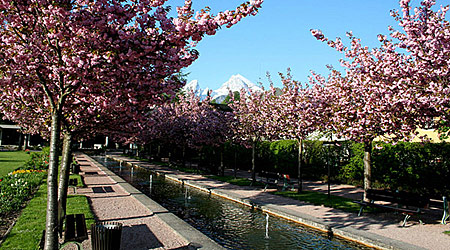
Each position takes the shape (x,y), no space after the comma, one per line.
(75,168)
(106,235)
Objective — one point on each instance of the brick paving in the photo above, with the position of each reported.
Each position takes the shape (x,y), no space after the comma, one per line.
(111,203)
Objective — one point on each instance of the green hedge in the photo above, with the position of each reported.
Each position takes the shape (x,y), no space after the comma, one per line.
(422,168)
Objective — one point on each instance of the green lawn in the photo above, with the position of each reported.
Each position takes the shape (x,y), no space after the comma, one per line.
(78,204)
(317,198)
(10,160)
(27,231)
(80,182)
(237,181)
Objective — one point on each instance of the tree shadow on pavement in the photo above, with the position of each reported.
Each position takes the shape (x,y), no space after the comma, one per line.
(139,237)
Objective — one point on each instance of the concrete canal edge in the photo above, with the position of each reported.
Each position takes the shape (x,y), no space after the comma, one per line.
(348,233)
(196,239)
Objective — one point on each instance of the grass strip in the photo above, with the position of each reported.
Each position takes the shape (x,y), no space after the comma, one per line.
(10,160)
(317,198)
(27,231)
(78,204)
(236,181)
(80,182)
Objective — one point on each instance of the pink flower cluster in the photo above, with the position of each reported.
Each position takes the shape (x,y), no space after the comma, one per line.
(97,62)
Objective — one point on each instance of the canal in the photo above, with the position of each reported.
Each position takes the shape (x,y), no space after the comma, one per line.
(232,225)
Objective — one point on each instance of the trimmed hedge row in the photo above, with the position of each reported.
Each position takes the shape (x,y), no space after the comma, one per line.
(422,168)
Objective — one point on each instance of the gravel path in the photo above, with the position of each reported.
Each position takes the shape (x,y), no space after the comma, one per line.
(111,203)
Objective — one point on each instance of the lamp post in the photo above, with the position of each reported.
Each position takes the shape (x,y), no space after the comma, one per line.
(328,145)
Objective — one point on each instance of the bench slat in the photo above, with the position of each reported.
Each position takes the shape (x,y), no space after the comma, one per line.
(75,228)
(399,209)
(400,198)
(69,233)
(81,229)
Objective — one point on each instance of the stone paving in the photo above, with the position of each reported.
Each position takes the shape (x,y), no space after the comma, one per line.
(111,203)
(383,229)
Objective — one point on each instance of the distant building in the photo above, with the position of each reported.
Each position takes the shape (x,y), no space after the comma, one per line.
(12,136)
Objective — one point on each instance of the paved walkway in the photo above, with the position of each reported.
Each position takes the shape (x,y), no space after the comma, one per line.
(344,190)
(111,203)
(384,229)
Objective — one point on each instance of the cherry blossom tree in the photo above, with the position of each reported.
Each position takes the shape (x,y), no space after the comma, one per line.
(425,37)
(96,52)
(188,122)
(393,89)
(250,121)
(294,114)
(372,99)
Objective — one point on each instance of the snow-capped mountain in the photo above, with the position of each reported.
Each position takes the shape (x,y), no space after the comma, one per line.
(235,83)
(205,92)
(192,86)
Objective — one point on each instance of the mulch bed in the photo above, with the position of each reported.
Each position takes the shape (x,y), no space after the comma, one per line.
(6,221)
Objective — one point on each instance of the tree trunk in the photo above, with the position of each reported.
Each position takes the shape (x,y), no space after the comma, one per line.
(222,167)
(367,168)
(25,141)
(235,163)
(65,169)
(300,159)
(253,163)
(183,160)
(51,224)
(20,141)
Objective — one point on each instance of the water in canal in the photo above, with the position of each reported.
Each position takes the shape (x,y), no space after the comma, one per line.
(232,225)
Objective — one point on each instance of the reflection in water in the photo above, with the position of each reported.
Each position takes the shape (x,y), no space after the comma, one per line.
(232,225)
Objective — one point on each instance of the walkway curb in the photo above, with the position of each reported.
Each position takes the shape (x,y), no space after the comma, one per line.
(195,238)
(346,232)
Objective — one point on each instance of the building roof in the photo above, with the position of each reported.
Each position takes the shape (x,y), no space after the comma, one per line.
(7,126)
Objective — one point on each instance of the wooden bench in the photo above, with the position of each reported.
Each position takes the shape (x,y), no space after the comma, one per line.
(398,202)
(75,230)
(271,179)
(73,183)
(75,168)
(437,203)
(287,183)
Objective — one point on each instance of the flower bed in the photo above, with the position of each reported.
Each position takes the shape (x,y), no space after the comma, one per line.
(17,187)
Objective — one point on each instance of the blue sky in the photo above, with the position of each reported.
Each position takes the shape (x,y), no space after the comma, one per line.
(279,37)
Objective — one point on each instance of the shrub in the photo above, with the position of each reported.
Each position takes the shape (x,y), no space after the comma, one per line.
(284,155)
(38,160)
(353,170)
(421,168)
